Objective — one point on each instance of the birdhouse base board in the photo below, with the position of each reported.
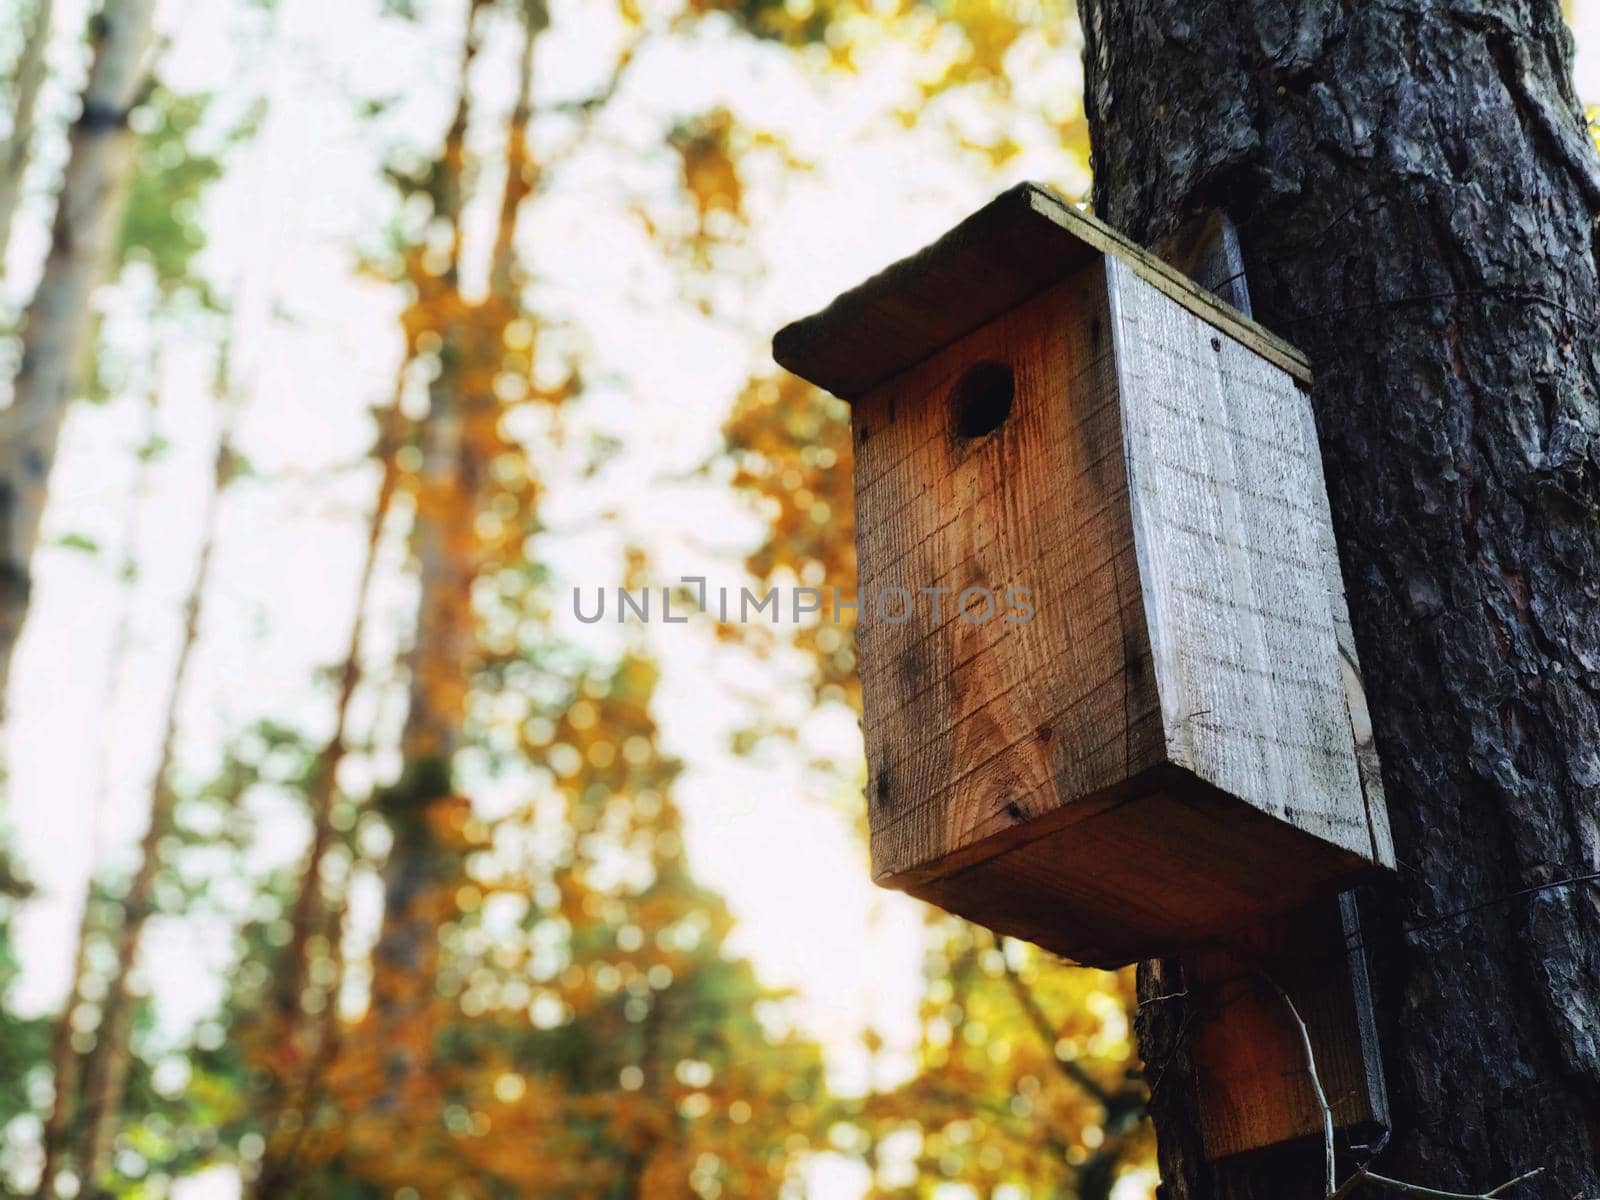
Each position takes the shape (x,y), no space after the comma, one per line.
(1151,867)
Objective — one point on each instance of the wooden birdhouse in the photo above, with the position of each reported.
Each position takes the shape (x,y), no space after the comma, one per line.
(1111,700)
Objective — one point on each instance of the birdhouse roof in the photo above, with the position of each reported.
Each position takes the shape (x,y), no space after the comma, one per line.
(1022,242)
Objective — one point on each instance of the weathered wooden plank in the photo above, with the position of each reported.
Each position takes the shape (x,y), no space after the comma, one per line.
(1255,1089)
(967,734)
(1355,695)
(1022,243)
(1233,565)
(1206,250)
(1128,873)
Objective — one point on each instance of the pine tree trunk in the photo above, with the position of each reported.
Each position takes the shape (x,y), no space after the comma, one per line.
(1416,196)
(88,216)
(26,81)
(308,916)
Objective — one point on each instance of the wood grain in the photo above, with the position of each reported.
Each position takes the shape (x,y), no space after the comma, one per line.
(1161,861)
(973,728)
(1255,1089)
(1234,543)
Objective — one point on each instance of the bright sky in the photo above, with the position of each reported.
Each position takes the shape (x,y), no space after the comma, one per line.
(316,344)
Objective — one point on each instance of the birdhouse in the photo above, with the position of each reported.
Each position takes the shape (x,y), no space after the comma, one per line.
(1111,701)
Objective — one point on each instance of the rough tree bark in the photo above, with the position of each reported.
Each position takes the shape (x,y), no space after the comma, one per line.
(88,214)
(1417,199)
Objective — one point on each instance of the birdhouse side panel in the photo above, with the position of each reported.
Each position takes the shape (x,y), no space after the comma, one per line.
(1021,679)
(1234,542)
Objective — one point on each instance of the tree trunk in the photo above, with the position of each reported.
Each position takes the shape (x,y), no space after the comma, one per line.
(308,916)
(66,1063)
(442,539)
(1416,196)
(106,1069)
(88,215)
(300,1035)
(26,81)
(458,441)
(405,956)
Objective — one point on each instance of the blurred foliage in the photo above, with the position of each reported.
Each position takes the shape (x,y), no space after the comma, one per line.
(789,445)
(613,1048)
(1026,1073)
(576,1029)
(162,226)
(23,1040)
(551,1007)
(972,50)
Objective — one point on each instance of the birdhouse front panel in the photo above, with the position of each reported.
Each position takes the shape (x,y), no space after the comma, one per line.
(977,719)
(1111,701)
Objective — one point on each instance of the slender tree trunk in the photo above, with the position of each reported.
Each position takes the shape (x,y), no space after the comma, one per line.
(404,958)
(457,441)
(521,172)
(106,1070)
(635,1165)
(301,1036)
(308,916)
(88,215)
(66,1063)
(442,537)
(26,81)
(1417,200)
